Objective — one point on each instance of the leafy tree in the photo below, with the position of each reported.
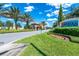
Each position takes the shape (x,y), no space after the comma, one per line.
(60,16)
(1,24)
(43,23)
(19,25)
(55,24)
(9,24)
(74,13)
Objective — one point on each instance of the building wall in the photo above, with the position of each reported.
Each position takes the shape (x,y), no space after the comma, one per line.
(70,22)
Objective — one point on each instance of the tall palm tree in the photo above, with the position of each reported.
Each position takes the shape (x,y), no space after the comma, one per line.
(1,8)
(1,4)
(12,12)
(27,18)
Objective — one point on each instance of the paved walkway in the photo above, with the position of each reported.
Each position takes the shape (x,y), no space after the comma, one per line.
(11,49)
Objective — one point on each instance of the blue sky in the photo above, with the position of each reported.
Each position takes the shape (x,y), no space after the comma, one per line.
(41,11)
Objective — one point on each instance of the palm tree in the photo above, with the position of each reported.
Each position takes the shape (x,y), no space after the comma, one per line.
(1,8)
(9,24)
(27,18)
(1,4)
(12,12)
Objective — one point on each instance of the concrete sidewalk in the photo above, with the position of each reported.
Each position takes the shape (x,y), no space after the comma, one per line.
(11,49)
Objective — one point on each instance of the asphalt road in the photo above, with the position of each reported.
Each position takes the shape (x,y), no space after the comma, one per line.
(9,37)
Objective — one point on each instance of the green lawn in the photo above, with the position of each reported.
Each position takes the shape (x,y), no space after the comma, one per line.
(51,46)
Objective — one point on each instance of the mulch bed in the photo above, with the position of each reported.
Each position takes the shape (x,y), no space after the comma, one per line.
(61,36)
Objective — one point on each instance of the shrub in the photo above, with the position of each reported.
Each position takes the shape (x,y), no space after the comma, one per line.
(74,31)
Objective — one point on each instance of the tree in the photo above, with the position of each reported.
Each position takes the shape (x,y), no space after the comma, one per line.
(1,8)
(43,23)
(9,24)
(26,18)
(60,16)
(1,4)
(74,13)
(19,25)
(12,12)
(54,24)
(1,24)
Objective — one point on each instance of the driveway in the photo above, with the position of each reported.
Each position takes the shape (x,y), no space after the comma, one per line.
(9,37)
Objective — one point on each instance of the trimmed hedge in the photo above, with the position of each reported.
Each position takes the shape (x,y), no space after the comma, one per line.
(74,31)
(14,31)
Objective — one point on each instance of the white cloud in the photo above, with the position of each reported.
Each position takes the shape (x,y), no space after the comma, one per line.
(29,8)
(52,19)
(57,5)
(10,19)
(7,5)
(53,13)
(56,12)
(48,10)
(65,10)
(49,15)
(66,5)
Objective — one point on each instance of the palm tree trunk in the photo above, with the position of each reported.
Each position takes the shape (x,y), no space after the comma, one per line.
(16,25)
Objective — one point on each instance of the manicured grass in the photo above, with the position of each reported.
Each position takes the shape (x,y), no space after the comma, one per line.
(51,46)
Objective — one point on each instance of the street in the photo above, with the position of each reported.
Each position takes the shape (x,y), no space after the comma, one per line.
(9,37)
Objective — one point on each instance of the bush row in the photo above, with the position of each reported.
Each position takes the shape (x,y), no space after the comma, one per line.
(74,31)
(14,31)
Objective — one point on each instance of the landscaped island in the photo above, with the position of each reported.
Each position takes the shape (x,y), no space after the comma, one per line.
(49,46)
